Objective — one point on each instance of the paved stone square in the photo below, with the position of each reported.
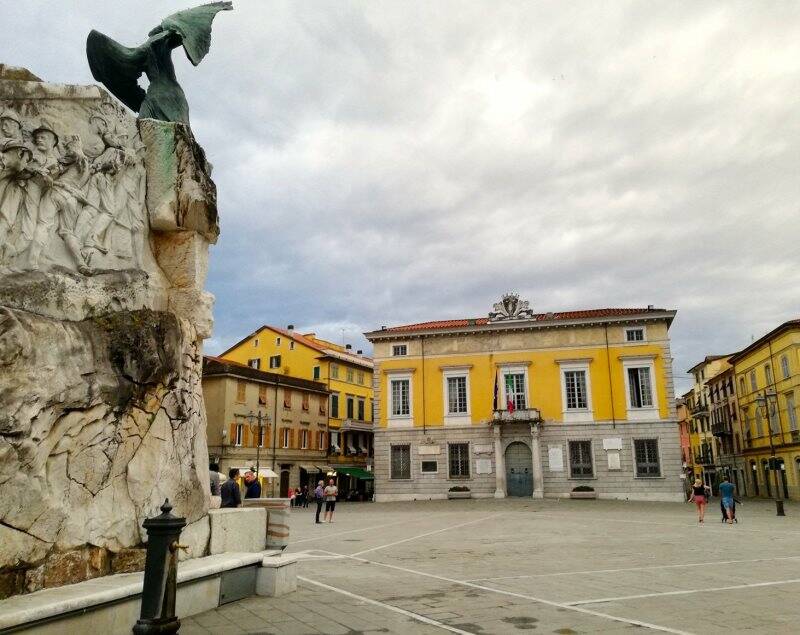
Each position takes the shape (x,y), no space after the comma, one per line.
(506,566)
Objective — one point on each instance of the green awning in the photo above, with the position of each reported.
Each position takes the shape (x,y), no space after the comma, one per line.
(357,472)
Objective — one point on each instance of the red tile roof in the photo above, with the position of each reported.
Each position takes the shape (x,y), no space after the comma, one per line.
(563,315)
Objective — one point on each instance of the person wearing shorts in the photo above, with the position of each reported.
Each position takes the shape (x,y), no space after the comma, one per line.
(331,492)
(726,491)
(700,499)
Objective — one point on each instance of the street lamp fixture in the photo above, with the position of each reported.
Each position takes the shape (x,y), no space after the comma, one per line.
(257,422)
(767,402)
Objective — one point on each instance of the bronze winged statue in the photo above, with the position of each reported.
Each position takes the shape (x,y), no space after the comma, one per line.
(119,67)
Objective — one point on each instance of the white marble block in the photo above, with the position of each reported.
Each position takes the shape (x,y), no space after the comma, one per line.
(277,576)
(242,529)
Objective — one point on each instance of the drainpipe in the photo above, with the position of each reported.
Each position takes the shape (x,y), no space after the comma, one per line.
(610,382)
(422,345)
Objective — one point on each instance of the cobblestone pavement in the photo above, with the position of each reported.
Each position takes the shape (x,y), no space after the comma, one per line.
(507,566)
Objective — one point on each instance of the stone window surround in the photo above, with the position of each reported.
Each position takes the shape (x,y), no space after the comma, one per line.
(593,477)
(456,418)
(398,344)
(634,439)
(400,421)
(640,361)
(410,462)
(513,368)
(470,476)
(576,415)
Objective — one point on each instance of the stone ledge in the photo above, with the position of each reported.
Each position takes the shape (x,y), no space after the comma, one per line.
(60,601)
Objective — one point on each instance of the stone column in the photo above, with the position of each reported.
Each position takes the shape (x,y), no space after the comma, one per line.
(499,465)
(538,472)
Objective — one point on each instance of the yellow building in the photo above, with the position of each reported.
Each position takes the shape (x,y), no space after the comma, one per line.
(519,403)
(768,388)
(347,375)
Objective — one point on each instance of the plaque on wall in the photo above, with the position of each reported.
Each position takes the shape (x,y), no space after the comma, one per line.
(555,458)
(483,466)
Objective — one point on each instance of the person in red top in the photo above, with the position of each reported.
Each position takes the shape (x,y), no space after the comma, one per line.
(700,498)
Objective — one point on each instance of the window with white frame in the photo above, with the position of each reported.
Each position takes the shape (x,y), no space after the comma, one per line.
(255,343)
(291,345)
(768,374)
(334,371)
(239,434)
(321,440)
(277,341)
(753,381)
(458,460)
(785,370)
(400,395)
(261,431)
(575,393)
(350,375)
(275,361)
(634,334)
(646,457)
(514,389)
(580,459)
(791,413)
(400,467)
(304,439)
(285,438)
(456,394)
(399,350)
(640,388)
(254,363)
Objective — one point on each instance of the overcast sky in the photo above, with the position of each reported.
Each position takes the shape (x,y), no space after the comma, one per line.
(393,162)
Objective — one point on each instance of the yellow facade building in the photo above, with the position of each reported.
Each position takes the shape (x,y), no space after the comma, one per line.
(346,374)
(527,404)
(767,376)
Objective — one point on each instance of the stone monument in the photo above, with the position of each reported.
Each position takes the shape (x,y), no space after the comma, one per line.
(105,226)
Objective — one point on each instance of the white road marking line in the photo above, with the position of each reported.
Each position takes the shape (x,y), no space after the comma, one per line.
(643,568)
(624,620)
(396,609)
(685,592)
(341,533)
(429,533)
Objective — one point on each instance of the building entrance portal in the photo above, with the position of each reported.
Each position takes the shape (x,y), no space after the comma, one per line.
(519,469)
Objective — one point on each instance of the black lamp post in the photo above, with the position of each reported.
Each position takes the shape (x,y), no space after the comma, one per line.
(257,424)
(763,402)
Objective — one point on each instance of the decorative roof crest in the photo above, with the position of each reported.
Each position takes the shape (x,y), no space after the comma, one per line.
(510,308)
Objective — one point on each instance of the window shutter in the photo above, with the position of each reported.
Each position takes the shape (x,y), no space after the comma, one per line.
(231,433)
(312,441)
(245,436)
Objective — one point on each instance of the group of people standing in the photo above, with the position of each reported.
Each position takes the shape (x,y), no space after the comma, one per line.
(701,494)
(230,491)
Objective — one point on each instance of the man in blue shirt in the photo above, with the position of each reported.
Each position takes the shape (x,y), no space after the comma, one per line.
(726,491)
(231,495)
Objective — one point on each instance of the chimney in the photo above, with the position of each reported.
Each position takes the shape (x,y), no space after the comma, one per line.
(290,328)
(359,352)
(383,328)
(348,347)
(650,307)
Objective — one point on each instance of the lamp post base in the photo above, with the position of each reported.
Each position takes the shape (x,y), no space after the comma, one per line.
(779,508)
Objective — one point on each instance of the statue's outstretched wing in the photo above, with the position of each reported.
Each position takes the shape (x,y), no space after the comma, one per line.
(117,67)
(194,28)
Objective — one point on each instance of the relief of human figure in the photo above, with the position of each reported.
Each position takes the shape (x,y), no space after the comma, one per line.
(16,193)
(10,126)
(45,164)
(130,197)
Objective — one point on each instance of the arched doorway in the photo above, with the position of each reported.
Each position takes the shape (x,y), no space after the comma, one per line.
(519,469)
(284,483)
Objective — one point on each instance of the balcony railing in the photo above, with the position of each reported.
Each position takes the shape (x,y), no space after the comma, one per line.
(704,458)
(720,429)
(523,415)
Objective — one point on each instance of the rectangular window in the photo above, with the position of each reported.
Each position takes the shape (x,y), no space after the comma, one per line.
(335,406)
(458,460)
(399,350)
(255,343)
(322,403)
(291,345)
(580,459)
(262,395)
(350,375)
(429,467)
(350,407)
(360,377)
(785,367)
(305,401)
(275,361)
(287,398)
(277,341)
(646,455)
(304,439)
(634,334)
(575,388)
(768,374)
(457,395)
(254,363)
(515,390)
(641,393)
(759,423)
(238,440)
(321,440)
(334,371)
(400,395)
(360,411)
(753,382)
(791,413)
(285,438)
(241,391)
(401,462)
(261,434)
(316,373)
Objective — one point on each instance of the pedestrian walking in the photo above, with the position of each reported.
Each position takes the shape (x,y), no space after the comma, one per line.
(319,498)
(330,500)
(229,490)
(726,492)
(305,496)
(252,488)
(700,498)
